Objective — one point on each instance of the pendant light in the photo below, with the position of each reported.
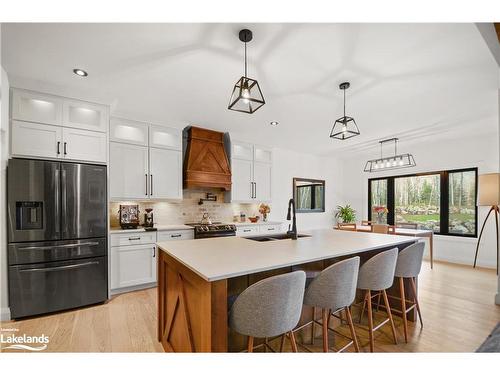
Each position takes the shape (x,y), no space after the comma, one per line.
(392,162)
(246,96)
(344,127)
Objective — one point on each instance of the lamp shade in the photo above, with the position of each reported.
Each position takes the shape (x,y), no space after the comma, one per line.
(489,189)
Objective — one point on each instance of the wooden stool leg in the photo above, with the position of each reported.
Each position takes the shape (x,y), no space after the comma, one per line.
(403,306)
(414,287)
(389,313)
(282,344)
(378,302)
(293,342)
(351,328)
(250,344)
(313,333)
(362,309)
(370,319)
(325,330)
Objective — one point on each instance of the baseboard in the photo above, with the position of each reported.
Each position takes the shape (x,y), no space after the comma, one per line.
(132,288)
(4,314)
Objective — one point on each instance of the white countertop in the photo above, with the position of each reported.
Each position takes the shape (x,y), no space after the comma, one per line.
(248,223)
(225,257)
(158,227)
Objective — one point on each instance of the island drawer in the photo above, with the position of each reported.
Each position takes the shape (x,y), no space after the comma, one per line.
(247,231)
(187,234)
(136,238)
(270,228)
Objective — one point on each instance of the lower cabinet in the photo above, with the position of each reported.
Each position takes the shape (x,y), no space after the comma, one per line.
(133,265)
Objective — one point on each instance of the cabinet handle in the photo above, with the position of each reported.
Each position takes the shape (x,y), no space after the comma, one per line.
(270,228)
(154,251)
(175,235)
(65,148)
(151,187)
(255,190)
(146,175)
(247,230)
(134,238)
(58,148)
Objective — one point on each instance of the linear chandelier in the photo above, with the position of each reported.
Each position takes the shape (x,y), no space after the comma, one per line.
(246,96)
(390,162)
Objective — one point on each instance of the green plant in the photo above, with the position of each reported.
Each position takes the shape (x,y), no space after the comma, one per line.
(347,214)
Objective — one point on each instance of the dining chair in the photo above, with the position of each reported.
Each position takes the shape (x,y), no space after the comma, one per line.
(347,226)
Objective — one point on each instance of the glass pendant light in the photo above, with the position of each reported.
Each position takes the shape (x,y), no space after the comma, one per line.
(344,127)
(246,96)
(393,162)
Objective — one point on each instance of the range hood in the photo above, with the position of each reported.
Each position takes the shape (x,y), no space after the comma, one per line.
(206,164)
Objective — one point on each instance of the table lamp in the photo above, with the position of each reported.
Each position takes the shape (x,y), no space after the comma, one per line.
(489,195)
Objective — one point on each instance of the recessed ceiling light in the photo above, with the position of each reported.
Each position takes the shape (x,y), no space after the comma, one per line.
(274,123)
(80,72)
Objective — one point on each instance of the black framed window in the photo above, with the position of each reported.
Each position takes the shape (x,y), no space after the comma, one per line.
(443,201)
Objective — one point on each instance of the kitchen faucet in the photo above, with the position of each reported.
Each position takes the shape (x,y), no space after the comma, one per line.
(293,232)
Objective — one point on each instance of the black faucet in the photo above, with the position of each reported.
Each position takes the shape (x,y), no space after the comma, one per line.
(292,233)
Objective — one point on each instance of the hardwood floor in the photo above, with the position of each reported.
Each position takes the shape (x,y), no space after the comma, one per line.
(457,308)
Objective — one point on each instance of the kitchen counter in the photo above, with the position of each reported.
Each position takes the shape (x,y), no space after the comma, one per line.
(159,228)
(195,278)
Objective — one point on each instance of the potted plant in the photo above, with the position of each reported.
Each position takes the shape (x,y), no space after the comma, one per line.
(264,209)
(346,214)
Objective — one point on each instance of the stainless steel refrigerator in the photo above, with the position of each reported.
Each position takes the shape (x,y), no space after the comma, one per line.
(57,252)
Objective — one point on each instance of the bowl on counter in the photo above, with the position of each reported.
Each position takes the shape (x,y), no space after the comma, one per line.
(254,219)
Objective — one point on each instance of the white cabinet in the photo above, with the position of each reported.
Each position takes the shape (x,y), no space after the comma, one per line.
(128,131)
(163,137)
(251,169)
(84,115)
(84,145)
(128,171)
(165,174)
(77,130)
(156,170)
(242,184)
(262,181)
(37,140)
(187,234)
(36,107)
(133,265)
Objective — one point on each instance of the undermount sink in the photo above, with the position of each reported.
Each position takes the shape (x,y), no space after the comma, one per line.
(275,237)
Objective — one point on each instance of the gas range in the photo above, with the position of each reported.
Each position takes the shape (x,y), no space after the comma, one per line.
(213,230)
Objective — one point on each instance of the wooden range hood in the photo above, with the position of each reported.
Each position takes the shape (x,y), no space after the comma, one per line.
(206,164)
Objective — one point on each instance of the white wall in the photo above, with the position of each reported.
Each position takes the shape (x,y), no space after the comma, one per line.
(289,164)
(4,154)
(449,151)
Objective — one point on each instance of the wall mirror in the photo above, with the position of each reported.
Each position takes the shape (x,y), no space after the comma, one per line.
(309,195)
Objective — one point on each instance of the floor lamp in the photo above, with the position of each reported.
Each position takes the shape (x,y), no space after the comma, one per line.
(489,195)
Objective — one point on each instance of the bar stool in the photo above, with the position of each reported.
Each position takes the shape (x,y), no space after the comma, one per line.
(334,290)
(408,267)
(377,274)
(270,308)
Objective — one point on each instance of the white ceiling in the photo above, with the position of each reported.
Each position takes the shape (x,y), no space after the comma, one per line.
(406,79)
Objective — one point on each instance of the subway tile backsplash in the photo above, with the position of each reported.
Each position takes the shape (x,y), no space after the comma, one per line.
(188,210)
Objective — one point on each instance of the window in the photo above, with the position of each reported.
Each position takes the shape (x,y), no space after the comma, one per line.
(417,200)
(444,201)
(378,197)
(462,202)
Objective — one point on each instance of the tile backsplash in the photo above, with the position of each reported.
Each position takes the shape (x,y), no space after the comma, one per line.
(188,210)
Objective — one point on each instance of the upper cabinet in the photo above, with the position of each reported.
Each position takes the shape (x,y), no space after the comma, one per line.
(128,131)
(53,127)
(84,115)
(36,107)
(163,137)
(251,169)
(145,161)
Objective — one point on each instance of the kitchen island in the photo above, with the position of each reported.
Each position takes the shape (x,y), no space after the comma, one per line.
(196,277)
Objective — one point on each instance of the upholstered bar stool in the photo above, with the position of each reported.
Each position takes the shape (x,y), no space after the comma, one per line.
(408,267)
(333,291)
(270,308)
(377,275)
